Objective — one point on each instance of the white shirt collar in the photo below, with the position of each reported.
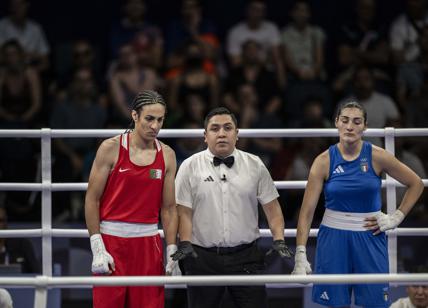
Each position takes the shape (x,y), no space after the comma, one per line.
(210,155)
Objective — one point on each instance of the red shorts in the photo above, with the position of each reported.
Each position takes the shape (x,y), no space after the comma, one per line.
(133,256)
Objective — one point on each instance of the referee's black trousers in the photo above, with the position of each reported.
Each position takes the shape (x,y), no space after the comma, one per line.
(241,260)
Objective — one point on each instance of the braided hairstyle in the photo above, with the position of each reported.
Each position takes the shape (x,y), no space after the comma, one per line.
(144,98)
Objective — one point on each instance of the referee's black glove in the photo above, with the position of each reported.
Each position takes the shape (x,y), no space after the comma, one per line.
(184,250)
(280,248)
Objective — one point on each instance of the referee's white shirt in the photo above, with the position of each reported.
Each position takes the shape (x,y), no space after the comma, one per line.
(224,200)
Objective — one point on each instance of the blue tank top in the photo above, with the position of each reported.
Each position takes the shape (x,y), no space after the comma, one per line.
(352,186)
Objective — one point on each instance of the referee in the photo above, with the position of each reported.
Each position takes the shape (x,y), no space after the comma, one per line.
(217,193)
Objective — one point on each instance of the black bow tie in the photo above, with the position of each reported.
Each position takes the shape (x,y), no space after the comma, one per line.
(228,161)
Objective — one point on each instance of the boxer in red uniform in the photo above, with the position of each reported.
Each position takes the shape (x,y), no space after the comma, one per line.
(131,181)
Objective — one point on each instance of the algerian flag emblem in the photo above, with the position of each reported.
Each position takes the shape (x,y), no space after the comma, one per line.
(155,173)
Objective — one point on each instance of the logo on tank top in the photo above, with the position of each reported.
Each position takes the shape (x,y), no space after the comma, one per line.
(324,296)
(155,173)
(364,165)
(339,169)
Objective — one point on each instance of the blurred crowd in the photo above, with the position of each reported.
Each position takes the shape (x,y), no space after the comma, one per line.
(271,76)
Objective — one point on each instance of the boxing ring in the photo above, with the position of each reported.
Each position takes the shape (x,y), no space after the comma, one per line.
(46,281)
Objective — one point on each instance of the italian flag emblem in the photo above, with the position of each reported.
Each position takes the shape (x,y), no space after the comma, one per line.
(155,173)
(364,167)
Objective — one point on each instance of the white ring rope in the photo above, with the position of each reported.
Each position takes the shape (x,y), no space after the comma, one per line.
(193,133)
(79,233)
(229,280)
(83,186)
(42,283)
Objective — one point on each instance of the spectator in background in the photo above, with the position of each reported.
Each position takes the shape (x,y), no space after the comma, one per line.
(380,108)
(29,33)
(405,30)
(191,26)
(127,78)
(362,41)
(81,55)
(416,116)
(73,156)
(412,86)
(306,150)
(134,29)
(195,108)
(5,299)
(255,27)
(417,298)
(20,101)
(20,94)
(252,70)
(250,117)
(303,46)
(248,104)
(313,114)
(300,153)
(186,147)
(411,75)
(193,80)
(405,152)
(16,251)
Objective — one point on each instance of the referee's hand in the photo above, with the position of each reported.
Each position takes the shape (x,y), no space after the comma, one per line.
(185,249)
(279,247)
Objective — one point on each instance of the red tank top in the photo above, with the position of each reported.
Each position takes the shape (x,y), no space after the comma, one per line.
(133,193)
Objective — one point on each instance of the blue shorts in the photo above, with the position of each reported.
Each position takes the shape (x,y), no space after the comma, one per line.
(347,252)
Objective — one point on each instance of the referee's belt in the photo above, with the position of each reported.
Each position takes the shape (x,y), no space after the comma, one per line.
(227,250)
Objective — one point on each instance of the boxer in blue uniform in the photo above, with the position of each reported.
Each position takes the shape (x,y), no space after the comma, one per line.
(351,237)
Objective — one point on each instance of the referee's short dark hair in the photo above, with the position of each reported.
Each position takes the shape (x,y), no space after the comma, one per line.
(219,111)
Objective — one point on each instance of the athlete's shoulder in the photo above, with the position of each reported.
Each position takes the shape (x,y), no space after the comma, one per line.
(323,158)
(169,157)
(379,153)
(321,166)
(381,157)
(108,151)
(376,149)
(110,144)
(168,151)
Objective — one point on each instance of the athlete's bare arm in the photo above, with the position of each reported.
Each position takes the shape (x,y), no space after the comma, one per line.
(317,175)
(104,162)
(384,161)
(169,215)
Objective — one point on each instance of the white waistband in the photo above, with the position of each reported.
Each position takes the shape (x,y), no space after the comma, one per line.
(345,220)
(126,229)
